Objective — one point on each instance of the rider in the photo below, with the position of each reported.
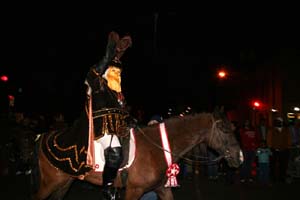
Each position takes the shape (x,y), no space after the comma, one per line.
(109,110)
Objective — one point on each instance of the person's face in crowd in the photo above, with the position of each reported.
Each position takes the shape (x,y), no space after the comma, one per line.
(278,123)
(247,124)
(19,117)
(233,127)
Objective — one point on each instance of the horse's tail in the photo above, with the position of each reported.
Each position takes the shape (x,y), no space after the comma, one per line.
(35,171)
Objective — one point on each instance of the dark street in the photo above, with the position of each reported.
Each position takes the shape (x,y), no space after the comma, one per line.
(17,188)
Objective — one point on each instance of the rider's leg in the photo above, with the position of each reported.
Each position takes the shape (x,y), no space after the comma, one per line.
(113,159)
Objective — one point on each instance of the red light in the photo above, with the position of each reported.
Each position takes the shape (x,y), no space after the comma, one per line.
(11,100)
(4,78)
(256,104)
(11,97)
(222,74)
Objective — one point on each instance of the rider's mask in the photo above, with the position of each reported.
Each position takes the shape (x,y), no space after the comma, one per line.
(113,77)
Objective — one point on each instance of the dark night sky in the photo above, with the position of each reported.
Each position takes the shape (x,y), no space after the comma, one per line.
(48,55)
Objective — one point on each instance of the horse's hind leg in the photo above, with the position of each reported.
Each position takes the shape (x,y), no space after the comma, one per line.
(43,192)
(50,179)
(53,191)
(61,191)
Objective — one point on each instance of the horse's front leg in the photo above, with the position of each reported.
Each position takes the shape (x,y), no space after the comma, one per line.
(133,193)
(164,193)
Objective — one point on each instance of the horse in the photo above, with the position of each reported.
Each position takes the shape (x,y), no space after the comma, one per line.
(148,170)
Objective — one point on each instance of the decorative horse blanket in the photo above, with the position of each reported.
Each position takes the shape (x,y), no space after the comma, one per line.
(71,157)
(66,156)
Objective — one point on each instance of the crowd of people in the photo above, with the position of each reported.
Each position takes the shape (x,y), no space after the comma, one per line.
(25,129)
(268,148)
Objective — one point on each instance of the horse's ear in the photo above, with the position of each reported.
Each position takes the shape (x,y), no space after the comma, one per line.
(216,109)
(216,112)
(219,112)
(222,110)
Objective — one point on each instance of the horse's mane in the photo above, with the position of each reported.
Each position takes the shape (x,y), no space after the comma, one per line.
(203,116)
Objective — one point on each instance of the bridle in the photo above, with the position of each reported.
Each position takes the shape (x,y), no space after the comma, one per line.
(216,133)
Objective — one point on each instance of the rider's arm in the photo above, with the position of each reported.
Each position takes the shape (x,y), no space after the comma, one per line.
(110,53)
(98,69)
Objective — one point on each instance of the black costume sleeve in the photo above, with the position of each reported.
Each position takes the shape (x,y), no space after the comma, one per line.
(110,53)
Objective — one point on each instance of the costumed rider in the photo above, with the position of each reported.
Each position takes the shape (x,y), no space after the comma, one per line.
(108,106)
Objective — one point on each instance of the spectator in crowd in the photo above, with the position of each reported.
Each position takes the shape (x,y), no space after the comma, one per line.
(264,154)
(295,132)
(155,119)
(249,144)
(262,129)
(58,122)
(279,140)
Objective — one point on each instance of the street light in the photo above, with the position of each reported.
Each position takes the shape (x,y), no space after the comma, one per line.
(222,74)
(256,104)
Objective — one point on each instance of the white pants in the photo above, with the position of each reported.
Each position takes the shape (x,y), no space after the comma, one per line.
(106,139)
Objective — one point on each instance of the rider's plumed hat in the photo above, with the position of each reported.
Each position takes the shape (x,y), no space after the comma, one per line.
(121,46)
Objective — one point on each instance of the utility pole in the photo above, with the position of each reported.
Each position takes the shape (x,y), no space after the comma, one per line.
(156,15)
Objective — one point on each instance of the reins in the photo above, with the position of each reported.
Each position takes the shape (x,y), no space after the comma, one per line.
(184,158)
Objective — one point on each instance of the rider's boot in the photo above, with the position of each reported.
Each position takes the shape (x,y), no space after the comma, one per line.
(113,160)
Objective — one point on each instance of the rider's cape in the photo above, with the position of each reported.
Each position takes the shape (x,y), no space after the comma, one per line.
(67,149)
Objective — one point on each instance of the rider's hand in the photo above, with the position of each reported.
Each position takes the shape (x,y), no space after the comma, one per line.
(110,53)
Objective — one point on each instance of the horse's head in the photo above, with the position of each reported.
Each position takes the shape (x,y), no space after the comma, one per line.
(223,140)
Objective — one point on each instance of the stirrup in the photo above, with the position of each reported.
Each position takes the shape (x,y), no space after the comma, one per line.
(109,193)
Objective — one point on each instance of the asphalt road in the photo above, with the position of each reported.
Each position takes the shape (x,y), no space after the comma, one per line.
(17,188)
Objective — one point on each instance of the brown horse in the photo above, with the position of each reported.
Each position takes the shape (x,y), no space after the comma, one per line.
(148,170)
